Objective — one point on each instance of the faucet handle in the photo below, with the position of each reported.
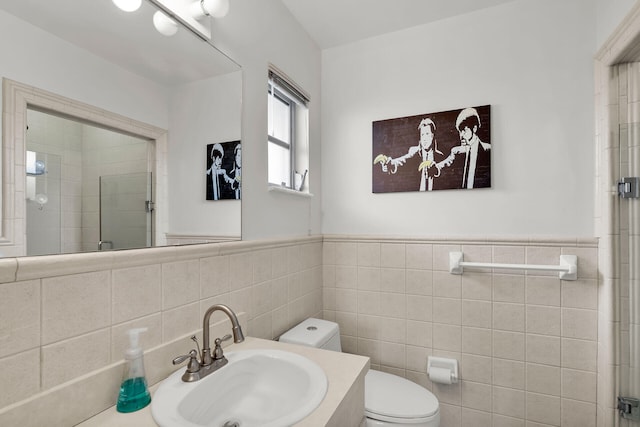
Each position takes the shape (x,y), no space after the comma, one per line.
(195,340)
(193,365)
(224,338)
(217,351)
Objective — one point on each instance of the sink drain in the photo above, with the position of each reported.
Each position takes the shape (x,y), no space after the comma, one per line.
(231,423)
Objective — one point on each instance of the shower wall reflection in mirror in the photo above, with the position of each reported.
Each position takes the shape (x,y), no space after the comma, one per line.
(44,211)
(88,188)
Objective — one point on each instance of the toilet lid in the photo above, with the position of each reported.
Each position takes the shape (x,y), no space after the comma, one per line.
(390,397)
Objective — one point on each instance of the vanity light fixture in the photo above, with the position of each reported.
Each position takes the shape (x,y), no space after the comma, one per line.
(193,14)
(165,25)
(128,5)
(214,8)
(188,12)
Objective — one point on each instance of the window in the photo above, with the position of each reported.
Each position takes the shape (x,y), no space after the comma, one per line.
(288,148)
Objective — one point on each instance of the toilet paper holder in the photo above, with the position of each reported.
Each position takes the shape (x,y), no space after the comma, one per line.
(442,370)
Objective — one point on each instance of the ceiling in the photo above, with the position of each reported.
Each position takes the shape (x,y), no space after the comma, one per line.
(332,23)
(134,43)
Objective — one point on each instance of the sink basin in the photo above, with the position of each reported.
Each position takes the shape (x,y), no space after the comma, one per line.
(257,388)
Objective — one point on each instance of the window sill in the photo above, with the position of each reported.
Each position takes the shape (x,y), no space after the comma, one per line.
(285,190)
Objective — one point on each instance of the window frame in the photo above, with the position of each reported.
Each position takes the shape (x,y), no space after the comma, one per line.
(282,89)
(290,146)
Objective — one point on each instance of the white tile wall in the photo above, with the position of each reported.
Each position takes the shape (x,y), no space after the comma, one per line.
(19,316)
(528,353)
(62,333)
(62,137)
(526,341)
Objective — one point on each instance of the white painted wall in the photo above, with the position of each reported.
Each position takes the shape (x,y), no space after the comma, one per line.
(202,113)
(35,57)
(538,82)
(610,13)
(531,60)
(256,33)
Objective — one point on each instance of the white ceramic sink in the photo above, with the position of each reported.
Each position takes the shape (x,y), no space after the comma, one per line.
(257,388)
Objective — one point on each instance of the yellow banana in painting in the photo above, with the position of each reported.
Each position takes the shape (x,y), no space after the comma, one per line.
(426,164)
(381,158)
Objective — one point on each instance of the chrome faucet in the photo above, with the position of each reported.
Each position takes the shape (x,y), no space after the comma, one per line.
(198,369)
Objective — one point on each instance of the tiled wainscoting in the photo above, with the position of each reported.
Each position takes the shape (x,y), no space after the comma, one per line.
(526,342)
(63,318)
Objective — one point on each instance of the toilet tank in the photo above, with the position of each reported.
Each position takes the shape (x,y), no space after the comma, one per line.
(314,333)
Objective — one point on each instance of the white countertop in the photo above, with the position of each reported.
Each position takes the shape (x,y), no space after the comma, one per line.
(342,370)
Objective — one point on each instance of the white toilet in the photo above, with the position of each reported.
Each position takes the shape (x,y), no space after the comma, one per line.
(389,400)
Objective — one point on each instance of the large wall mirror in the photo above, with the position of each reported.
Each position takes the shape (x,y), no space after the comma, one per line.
(109,128)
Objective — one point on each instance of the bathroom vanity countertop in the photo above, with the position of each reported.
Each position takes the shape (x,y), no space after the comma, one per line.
(344,372)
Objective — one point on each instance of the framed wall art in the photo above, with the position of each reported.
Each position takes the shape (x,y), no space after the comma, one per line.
(434,151)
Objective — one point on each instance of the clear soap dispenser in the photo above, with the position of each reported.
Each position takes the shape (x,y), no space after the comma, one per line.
(134,393)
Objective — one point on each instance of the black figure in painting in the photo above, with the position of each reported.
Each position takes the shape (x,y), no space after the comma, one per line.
(236,172)
(477,159)
(428,155)
(216,171)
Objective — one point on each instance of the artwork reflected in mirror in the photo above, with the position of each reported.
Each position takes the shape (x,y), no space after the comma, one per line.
(224,171)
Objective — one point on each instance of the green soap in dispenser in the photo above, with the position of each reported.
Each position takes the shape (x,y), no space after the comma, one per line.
(134,393)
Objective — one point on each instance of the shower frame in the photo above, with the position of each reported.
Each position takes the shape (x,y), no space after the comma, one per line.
(616,106)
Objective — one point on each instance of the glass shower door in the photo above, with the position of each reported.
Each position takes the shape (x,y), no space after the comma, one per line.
(126,211)
(629,273)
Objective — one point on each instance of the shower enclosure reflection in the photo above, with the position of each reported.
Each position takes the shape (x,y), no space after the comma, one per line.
(72,160)
(43,203)
(126,209)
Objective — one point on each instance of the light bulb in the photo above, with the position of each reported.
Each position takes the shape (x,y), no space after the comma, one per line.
(128,5)
(215,8)
(165,25)
(41,198)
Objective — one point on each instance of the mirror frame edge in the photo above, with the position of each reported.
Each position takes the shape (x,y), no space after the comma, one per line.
(16,98)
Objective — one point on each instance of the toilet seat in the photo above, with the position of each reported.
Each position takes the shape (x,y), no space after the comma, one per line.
(392,398)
